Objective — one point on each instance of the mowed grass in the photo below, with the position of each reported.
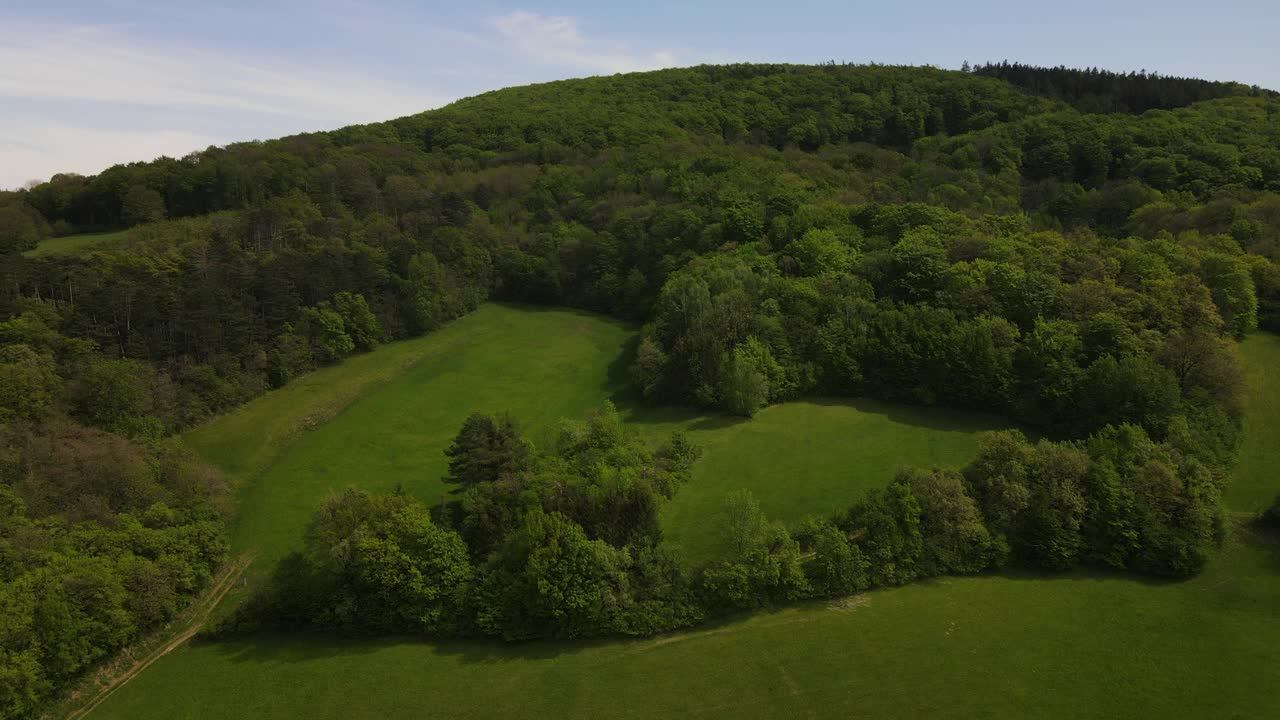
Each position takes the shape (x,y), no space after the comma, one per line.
(995,646)
(1007,647)
(382,420)
(75,244)
(806,458)
(1257,477)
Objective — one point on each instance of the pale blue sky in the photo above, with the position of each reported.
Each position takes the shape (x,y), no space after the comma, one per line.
(88,83)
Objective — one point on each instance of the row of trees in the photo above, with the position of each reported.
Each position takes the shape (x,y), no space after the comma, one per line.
(1104,91)
(1067,336)
(566,542)
(562,542)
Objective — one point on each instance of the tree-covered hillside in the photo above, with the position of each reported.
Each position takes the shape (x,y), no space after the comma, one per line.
(905,233)
(1095,90)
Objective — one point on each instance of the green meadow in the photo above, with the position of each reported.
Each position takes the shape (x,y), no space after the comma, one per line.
(1081,645)
(382,420)
(809,458)
(76,244)
(995,646)
(1257,478)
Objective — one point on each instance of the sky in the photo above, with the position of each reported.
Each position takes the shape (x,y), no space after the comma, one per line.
(85,84)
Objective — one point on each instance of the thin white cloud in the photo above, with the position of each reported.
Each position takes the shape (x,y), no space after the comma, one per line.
(79,98)
(103,64)
(558,41)
(185,98)
(33,150)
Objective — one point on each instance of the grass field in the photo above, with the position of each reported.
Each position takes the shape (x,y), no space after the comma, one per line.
(1069,647)
(73,244)
(807,458)
(383,419)
(995,646)
(1257,478)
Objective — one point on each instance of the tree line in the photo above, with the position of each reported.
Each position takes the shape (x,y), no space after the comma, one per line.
(565,542)
(1094,90)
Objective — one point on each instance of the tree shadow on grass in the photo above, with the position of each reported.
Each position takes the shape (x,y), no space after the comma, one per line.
(1079,575)
(617,382)
(312,645)
(307,646)
(931,417)
(1259,538)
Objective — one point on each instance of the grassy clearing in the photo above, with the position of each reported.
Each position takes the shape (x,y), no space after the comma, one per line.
(1257,478)
(806,458)
(76,244)
(382,420)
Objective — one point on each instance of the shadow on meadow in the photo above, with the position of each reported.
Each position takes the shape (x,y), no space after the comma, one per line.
(309,646)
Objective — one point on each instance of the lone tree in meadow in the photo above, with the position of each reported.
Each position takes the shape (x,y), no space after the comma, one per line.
(486,448)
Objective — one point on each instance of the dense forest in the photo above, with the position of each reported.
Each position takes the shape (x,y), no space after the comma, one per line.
(1076,250)
(1095,90)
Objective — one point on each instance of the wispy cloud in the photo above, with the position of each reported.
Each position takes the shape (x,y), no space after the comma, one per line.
(104,64)
(168,99)
(558,41)
(30,148)
(81,96)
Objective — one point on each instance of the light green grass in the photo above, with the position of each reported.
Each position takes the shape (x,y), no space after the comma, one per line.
(382,420)
(1257,477)
(807,458)
(1069,647)
(76,244)
(996,646)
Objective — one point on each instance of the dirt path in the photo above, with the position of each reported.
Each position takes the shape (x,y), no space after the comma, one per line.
(199,612)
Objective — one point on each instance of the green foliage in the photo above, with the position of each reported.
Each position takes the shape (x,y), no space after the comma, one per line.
(818,252)
(114,395)
(548,579)
(746,382)
(956,541)
(1232,285)
(327,333)
(141,205)
(101,539)
(357,321)
(29,385)
(1094,90)
(21,228)
(838,567)
(564,543)
(1120,500)
(762,564)
(485,449)
(886,529)
(393,568)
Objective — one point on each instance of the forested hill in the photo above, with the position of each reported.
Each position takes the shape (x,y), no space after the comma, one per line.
(593,192)
(906,233)
(1095,90)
